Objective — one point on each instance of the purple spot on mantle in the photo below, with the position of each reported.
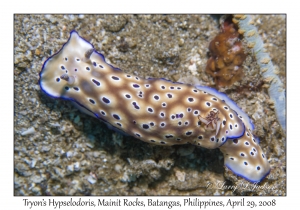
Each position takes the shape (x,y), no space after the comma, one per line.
(188,133)
(115,78)
(169,136)
(96,82)
(190,99)
(156,97)
(135,105)
(135,85)
(145,126)
(116,116)
(181,115)
(106,100)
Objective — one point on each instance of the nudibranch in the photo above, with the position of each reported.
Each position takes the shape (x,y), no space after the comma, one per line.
(156,111)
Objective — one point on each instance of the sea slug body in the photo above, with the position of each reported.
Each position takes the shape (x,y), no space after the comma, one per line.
(156,111)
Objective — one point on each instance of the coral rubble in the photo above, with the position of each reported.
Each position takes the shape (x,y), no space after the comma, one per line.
(227,55)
